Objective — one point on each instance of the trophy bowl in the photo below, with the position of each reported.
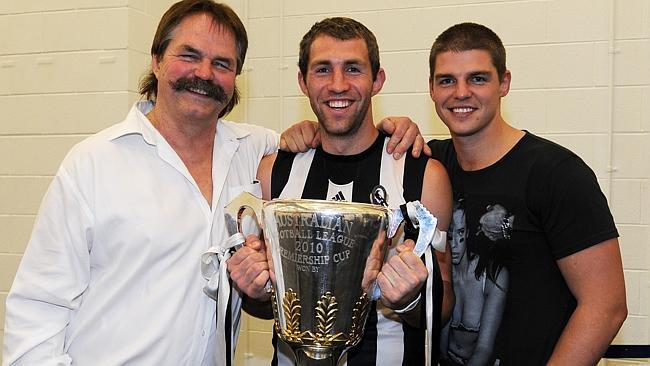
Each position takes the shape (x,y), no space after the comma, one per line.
(324,257)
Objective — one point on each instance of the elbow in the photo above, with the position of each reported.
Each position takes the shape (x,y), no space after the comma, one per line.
(619,314)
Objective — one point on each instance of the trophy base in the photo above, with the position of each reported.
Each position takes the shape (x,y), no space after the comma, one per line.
(316,356)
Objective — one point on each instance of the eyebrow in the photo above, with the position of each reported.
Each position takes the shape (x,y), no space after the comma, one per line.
(329,62)
(473,73)
(188,48)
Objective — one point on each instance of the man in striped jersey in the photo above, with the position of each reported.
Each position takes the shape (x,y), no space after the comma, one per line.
(340,73)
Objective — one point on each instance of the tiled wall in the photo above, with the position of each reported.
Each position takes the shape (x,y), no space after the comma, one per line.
(581,75)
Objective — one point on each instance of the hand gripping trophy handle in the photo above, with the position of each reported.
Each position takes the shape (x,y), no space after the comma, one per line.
(324,258)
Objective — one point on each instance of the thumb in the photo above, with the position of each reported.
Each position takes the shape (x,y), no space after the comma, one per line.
(407,245)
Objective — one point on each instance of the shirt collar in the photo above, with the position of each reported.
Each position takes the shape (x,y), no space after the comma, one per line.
(137,122)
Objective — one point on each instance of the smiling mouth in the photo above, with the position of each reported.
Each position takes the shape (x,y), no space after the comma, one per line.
(339,104)
(462,109)
(198,91)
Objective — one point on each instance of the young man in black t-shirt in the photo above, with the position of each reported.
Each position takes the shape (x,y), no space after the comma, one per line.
(532,211)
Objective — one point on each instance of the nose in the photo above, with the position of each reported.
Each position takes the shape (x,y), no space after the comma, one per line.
(204,69)
(339,82)
(462,90)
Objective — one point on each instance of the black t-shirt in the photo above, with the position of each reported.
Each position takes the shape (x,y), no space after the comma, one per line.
(537,204)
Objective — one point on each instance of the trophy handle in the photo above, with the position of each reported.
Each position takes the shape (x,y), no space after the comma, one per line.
(233,211)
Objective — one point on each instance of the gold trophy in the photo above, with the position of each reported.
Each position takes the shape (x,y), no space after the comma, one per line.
(324,258)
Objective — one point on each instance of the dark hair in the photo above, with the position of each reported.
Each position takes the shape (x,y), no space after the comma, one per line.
(221,14)
(466,37)
(343,29)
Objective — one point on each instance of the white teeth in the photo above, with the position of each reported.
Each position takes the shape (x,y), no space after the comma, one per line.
(338,103)
(462,110)
(199,91)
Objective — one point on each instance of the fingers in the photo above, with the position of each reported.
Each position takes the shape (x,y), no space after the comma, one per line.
(427,150)
(408,244)
(254,242)
(386,125)
(401,278)
(404,134)
(299,137)
(249,270)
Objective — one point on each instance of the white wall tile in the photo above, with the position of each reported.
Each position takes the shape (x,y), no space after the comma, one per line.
(296,109)
(89,4)
(3,300)
(142,28)
(22,195)
(632,241)
(16,231)
(8,266)
(578,20)
(264,37)
(406,72)
(26,33)
(624,203)
(633,291)
(633,331)
(266,112)
(526,109)
(108,29)
(644,293)
(418,107)
(289,77)
(26,6)
(631,155)
(264,77)
(577,110)
(632,19)
(631,109)
(263,8)
(554,66)
(39,155)
(631,62)
(66,113)
(293,29)
(524,28)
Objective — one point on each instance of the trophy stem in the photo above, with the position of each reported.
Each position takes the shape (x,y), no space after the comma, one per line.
(317,356)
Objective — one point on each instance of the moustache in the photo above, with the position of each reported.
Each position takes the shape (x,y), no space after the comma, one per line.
(213,91)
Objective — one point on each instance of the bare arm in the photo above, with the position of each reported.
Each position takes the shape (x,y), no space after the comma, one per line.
(595,277)
(437,197)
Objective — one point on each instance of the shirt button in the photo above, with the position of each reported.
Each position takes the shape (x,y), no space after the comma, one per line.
(203,333)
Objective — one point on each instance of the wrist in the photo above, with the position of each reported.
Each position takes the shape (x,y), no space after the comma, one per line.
(410,306)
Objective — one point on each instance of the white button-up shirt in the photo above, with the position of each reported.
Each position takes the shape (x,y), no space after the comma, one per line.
(111,275)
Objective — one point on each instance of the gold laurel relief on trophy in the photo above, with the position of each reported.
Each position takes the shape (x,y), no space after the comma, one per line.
(326,310)
(291,307)
(359,313)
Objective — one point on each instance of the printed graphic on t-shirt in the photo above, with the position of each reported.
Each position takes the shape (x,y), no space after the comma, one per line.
(480,286)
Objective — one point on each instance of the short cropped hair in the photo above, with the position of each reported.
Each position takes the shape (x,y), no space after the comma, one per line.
(343,29)
(466,37)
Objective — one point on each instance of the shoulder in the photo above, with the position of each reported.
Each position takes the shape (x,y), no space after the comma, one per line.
(548,159)
(248,135)
(442,150)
